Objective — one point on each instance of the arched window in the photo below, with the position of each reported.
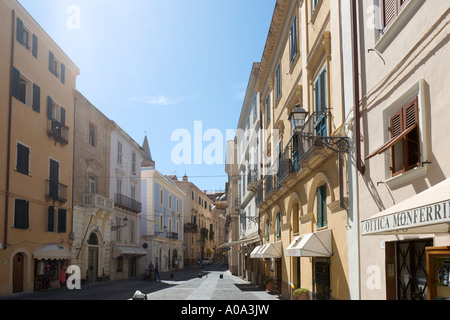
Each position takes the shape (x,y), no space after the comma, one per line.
(93,240)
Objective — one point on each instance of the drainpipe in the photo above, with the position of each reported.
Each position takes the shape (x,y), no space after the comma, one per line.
(361,167)
(8,151)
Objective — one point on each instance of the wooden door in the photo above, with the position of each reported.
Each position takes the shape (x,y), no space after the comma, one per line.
(92,264)
(18,270)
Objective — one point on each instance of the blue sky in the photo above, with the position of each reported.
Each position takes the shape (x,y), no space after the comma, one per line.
(156,66)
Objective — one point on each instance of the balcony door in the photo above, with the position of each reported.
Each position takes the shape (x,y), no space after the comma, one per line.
(54,179)
(320,97)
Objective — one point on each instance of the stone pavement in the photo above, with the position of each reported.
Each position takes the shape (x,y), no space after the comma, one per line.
(211,286)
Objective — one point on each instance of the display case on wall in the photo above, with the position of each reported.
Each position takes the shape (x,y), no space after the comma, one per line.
(438,266)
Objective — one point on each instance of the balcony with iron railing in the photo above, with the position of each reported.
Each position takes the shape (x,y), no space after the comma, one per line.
(58,131)
(127,203)
(307,148)
(56,191)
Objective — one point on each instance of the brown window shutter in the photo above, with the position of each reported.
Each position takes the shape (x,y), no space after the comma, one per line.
(411,114)
(389,11)
(396,124)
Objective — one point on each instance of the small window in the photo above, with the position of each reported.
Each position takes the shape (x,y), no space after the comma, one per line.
(267,230)
(161,196)
(133,163)
(92,135)
(170,202)
(119,152)
(268,109)
(23,159)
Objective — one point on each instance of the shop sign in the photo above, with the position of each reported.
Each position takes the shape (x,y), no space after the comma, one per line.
(419,217)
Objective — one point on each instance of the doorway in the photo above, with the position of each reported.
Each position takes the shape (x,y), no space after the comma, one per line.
(92,270)
(406,270)
(18,272)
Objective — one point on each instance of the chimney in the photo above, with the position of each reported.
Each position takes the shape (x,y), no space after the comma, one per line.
(185,178)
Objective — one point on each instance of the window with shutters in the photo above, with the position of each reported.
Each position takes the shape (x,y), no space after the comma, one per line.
(21,214)
(404,143)
(57,68)
(293,39)
(278,83)
(23,159)
(390,9)
(26,38)
(24,90)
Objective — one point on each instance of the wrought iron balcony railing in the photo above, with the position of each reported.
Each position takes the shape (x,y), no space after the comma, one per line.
(58,131)
(127,203)
(56,191)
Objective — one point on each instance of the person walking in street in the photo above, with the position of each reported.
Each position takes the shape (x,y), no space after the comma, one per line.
(157,277)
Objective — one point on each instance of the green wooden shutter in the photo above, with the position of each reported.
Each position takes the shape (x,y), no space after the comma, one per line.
(21,210)
(63,117)
(62,220)
(20,31)
(35,46)
(321,196)
(50,107)
(323,91)
(16,83)
(51,219)
(23,159)
(63,73)
(36,98)
(51,62)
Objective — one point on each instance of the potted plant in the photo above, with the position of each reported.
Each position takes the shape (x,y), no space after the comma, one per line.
(269,284)
(301,294)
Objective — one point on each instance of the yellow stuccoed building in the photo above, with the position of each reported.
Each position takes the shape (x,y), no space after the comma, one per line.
(37,83)
(303,196)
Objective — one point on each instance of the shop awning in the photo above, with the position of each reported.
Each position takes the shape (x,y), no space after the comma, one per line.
(246,240)
(317,244)
(266,251)
(425,213)
(52,252)
(209,250)
(128,251)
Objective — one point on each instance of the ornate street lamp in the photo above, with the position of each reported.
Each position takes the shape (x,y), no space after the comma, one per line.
(115,228)
(298,117)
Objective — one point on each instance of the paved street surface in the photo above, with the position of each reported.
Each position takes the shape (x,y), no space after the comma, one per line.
(178,285)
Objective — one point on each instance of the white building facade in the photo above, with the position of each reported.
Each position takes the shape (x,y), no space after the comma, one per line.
(249,173)
(161,226)
(125,189)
